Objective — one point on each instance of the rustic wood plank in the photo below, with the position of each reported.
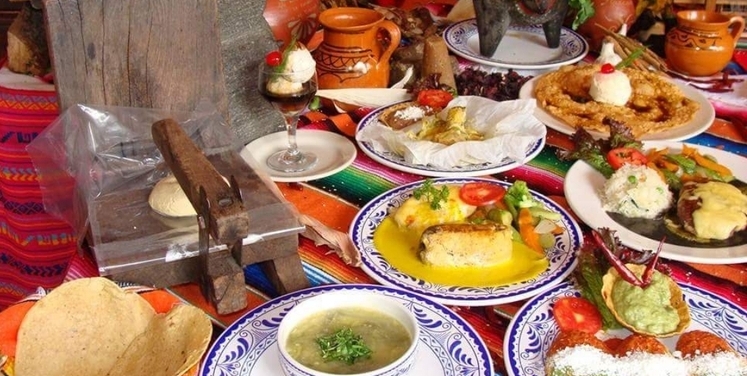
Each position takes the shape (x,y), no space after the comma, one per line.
(136,53)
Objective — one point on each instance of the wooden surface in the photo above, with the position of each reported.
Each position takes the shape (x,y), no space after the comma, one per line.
(137,53)
(228,217)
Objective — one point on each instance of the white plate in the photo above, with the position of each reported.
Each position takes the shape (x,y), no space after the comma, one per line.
(522,47)
(582,185)
(533,328)
(335,152)
(562,257)
(448,344)
(398,162)
(698,124)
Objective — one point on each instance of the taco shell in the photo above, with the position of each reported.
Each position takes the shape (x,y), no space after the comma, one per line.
(677,301)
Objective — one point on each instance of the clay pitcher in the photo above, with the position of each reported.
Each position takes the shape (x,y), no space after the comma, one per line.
(357,45)
(703,42)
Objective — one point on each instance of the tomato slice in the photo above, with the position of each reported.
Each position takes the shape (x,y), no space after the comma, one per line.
(481,193)
(434,98)
(622,156)
(576,313)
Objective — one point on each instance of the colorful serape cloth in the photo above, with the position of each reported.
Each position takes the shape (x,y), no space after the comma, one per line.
(35,248)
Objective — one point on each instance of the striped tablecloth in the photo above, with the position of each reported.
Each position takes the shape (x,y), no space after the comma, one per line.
(335,200)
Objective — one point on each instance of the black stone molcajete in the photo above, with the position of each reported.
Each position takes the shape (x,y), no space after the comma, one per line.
(494,16)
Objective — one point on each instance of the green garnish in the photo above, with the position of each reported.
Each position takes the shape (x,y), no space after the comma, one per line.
(286,51)
(584,11)
(343,345)
(629,60)
(315,104)
(432,194)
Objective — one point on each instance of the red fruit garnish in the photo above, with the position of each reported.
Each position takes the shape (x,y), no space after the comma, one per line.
(607,68)
(274,58)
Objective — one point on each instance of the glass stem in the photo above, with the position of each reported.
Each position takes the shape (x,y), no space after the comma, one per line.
(291,124)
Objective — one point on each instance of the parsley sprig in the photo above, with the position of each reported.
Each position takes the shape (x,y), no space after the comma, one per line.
(343,345)
(432,194)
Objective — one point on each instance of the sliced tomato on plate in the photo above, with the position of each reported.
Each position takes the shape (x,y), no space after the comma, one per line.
(576,313)
(434,98)
(622,156)
(481,193)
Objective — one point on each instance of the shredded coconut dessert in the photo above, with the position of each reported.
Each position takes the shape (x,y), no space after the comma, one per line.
(585,360)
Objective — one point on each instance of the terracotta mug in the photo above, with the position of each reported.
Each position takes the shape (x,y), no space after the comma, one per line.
(356,48)
(703,42)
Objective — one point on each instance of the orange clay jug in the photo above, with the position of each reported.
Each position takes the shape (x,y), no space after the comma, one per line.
(703,42)
(356,48)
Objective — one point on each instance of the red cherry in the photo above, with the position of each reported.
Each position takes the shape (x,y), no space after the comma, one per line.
(607,68)
(273,58)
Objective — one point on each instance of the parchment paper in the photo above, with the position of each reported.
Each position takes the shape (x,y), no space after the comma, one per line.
(509,128)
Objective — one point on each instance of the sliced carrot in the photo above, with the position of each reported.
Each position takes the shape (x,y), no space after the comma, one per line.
(715,166)
(10,320)
(161,300)
(558,230)
(527,233)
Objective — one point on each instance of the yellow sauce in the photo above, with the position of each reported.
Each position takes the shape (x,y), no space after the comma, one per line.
(400,249)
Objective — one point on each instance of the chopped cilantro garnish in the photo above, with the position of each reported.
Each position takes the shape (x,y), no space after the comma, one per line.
(343,345)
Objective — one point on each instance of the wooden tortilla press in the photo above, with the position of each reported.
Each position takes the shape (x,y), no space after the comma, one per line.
(221,214)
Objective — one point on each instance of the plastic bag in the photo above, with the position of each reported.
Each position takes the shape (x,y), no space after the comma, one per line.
(97,164)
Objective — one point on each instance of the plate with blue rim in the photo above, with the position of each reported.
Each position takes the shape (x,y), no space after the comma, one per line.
(449,346)
(562,256)
(523,47)
(398,162)
(533,329)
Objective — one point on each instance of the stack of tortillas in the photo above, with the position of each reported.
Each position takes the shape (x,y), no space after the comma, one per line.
(91,327)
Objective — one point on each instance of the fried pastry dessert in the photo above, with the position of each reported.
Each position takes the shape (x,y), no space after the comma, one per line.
(700,342)
(656,104)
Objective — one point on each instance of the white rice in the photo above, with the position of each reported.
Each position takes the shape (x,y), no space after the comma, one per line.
(636,192)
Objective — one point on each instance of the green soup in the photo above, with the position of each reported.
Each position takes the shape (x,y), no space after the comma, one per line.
(386,337)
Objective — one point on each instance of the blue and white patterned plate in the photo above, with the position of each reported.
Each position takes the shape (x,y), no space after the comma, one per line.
(522,47)
(398,162)
(533,329)
(449,346)
(562,257)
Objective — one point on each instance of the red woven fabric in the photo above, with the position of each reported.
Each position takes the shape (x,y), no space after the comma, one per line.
(35,248)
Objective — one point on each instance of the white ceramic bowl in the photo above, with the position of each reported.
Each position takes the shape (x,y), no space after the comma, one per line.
(345,299)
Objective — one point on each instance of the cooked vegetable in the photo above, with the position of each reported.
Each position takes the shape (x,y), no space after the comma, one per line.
(527,231)
(431,194)
(343,345)
(518,196)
